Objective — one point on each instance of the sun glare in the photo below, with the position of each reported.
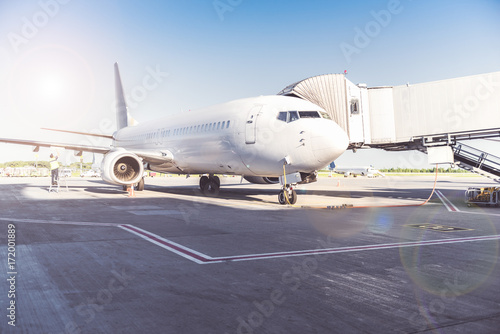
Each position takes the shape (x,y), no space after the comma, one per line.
(49,82)
(51,87)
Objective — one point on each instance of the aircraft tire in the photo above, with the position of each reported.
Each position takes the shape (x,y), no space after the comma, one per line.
(140,185)
(292,199)
(210,189)
(203,181)
(216,179)
(281,197)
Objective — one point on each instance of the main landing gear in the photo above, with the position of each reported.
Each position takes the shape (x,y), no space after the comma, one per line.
(137,187)
(287,195)
(140,185)
(210,185)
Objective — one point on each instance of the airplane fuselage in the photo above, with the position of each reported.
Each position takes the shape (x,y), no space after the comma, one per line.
(250,136)
(260,138)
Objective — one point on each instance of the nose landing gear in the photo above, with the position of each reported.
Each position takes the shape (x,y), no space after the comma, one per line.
(210,185)
(287,195)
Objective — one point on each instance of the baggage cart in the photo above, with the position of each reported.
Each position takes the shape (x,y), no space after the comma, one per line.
(483,196)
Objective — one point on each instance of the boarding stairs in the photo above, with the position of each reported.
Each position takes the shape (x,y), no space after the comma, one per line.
(477,161)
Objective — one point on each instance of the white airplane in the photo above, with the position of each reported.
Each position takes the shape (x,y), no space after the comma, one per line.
(355,171)
(262,139)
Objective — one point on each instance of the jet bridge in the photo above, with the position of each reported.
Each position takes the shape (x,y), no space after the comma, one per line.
(420,116)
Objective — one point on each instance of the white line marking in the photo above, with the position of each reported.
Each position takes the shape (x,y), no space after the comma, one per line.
(447,203)
(167,244)
(201,258)
(155,212)
(481,213)
(452,208)
(135,207)
(60,222)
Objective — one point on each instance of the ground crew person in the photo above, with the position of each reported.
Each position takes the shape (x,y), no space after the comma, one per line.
(54,169)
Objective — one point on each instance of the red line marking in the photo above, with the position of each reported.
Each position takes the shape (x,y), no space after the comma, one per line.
(447,203)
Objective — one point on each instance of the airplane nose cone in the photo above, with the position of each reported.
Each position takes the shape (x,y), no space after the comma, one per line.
(329,141)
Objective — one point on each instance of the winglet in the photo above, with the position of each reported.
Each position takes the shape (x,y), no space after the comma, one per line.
(121,105)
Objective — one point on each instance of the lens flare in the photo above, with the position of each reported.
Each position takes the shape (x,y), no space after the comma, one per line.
(428,266)
(49,84)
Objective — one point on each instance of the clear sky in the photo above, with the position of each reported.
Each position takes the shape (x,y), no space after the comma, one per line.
(56,57)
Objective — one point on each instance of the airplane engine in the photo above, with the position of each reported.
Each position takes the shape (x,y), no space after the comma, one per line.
(262,179)
(121,167)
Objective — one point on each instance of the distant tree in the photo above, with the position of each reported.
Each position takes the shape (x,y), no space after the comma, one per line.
(85,165)
(41,164)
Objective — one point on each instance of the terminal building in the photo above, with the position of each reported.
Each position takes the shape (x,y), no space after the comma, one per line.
(433,117)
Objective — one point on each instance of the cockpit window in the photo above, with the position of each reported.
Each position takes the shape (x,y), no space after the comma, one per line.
(325,115)
(282,116)
(290,116)
(309,114)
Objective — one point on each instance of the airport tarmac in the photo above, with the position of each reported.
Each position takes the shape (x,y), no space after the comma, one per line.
(88,259)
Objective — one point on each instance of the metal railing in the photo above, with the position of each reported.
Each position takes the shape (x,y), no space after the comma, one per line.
(476,158)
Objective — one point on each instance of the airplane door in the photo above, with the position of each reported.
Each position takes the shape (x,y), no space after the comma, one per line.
(251,125)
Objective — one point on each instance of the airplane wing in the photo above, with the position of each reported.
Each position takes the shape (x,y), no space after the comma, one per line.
(153,156)
(81,133)
(38,144)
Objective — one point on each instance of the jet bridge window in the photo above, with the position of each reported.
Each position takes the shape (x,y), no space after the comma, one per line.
(354,107)
(309,114)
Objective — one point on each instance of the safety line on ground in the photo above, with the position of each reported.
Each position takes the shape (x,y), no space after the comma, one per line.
(481,213)
(59,222)
(201,258)
(331,207)
(446,202)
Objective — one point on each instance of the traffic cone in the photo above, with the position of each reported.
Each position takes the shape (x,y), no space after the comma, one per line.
(130,191)
(338,183)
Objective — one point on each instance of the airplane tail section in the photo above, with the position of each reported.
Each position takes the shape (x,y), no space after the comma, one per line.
(121,105)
